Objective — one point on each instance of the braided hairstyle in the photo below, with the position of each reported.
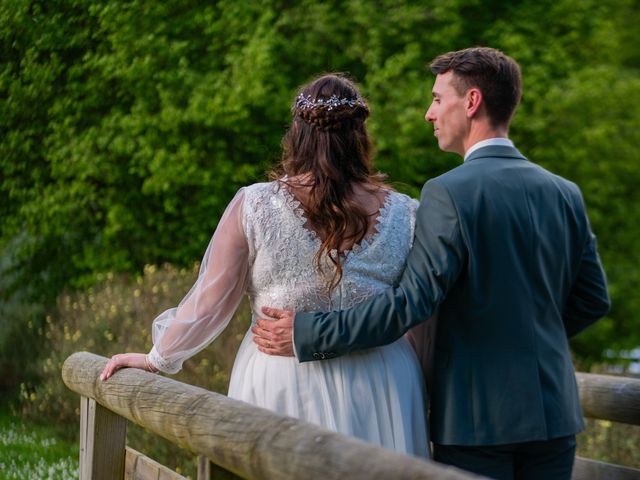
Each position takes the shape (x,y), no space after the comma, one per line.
(329,147)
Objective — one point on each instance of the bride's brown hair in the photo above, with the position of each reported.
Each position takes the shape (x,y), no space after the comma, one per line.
(329,148)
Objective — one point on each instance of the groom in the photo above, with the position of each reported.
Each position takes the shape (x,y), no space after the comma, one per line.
(504,249)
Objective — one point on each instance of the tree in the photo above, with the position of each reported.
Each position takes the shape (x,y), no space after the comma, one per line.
(126,126)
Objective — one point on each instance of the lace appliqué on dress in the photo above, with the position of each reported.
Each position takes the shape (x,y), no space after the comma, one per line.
(282,250)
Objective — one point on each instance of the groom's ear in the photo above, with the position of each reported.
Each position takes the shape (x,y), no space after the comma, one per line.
(473,100)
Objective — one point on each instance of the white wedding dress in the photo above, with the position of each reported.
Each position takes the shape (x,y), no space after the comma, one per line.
(261,247)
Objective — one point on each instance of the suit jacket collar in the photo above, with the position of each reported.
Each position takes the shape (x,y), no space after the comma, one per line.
(496,151)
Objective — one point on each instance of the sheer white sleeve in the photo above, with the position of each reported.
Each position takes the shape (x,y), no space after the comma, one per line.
(181,332)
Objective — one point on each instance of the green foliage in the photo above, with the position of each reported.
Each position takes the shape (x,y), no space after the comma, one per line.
(126,126)
(610,442)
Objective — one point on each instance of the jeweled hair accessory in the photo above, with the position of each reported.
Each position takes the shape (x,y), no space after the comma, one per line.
(307,103)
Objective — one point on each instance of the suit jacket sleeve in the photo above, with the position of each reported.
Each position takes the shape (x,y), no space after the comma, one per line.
(433,266)
(588,299)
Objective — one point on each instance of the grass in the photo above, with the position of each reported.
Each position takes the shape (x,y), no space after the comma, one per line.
(34,451)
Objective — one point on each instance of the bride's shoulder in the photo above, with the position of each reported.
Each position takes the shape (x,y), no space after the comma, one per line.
(264,200)
(257,191)
(403,201)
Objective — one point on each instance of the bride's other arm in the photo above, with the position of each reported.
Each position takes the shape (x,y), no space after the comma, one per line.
(181,332)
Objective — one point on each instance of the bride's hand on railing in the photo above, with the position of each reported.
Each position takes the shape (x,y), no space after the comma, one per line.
(124,360)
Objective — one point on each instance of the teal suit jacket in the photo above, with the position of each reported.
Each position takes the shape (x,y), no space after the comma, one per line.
(504,249)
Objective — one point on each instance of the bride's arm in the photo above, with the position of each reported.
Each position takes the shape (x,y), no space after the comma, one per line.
(206,310)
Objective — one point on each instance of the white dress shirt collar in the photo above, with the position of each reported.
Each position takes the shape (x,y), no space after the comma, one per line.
(505,142)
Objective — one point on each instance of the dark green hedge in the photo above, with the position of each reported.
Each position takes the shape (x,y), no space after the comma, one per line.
(126,126)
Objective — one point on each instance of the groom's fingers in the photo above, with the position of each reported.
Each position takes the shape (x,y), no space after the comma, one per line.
(261,333)
(272,329)
(274,337)
(272,344)
(284,351)
(277,312)
(280,349)
(279,329)
(271,332)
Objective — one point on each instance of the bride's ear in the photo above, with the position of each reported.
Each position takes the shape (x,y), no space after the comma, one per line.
(473,101)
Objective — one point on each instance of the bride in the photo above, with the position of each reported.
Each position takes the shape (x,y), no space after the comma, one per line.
(325,234)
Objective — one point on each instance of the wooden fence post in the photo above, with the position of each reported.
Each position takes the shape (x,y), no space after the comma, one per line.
(207,470)
(102,442)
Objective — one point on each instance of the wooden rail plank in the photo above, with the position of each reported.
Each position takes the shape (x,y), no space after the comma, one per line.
(141,467)
(610,398)
(587,469)
(250,442)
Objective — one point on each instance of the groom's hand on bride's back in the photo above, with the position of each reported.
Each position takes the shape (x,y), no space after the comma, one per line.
(274,335)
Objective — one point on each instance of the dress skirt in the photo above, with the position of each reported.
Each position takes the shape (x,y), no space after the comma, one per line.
(376,395)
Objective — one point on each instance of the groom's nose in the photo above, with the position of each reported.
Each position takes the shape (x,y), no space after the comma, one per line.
(428,117)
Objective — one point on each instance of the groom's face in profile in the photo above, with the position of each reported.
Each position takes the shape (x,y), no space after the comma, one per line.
(447,113)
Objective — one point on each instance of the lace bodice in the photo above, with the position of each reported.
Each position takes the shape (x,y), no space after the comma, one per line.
(262,247)
(282,251)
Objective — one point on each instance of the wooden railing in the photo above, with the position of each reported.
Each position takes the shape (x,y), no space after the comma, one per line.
(245,441)
(613,398)
(237,440)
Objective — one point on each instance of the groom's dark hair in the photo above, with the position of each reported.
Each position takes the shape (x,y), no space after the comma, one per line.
(494,73)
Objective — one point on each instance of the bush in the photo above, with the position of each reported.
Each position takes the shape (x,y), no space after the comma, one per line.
(115,316)
(610,442)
